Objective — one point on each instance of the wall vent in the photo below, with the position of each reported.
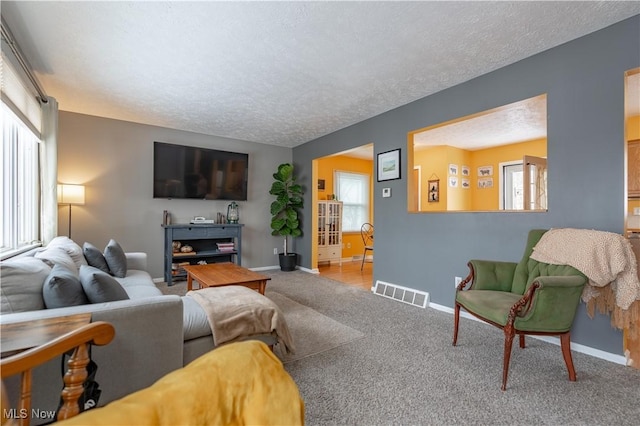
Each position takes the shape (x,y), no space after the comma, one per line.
(401,294)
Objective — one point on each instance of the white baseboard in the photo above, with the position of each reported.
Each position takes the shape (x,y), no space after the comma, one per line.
(301,268)
(607,356)
(265,268)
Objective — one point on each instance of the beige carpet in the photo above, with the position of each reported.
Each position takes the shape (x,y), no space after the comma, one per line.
(312,332)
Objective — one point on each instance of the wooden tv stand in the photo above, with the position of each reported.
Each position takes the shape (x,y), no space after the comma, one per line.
(203,238)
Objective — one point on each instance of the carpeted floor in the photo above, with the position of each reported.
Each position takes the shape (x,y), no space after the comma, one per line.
(312,332)
(405,370)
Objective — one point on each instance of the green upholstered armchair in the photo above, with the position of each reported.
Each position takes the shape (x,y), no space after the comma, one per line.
(522,298)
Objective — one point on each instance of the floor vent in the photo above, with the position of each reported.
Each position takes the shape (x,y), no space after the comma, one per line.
(401,294)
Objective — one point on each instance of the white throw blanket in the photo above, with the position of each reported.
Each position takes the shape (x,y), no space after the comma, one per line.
(237,312)
(609,263)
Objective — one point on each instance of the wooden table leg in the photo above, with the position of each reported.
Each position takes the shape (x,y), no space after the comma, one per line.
(189,281)
(262,286)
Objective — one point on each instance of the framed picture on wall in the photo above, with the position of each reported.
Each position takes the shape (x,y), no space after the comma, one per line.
(465,170)
(434,190)
(485,171)
(389,165)
(485,183)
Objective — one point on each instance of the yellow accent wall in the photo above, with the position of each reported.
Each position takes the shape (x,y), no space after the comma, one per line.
(488,198)
(459,198)
(326,167)
(434,163)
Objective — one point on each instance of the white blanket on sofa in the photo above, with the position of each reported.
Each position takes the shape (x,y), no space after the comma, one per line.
(237,312)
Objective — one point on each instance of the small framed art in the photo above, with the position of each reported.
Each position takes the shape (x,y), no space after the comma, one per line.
(434,190)
(389,165)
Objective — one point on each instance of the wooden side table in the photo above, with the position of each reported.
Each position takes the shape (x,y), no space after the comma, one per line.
(19,336)
(28,344)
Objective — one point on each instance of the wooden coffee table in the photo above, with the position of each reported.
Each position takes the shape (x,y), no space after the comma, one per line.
(220,274)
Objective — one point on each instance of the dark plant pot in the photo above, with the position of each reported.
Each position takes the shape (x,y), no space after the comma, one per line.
(288,261)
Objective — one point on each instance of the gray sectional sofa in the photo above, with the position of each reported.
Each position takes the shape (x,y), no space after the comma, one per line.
(155,333)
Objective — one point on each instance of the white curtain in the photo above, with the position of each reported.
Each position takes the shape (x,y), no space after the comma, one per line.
(42,118)
(49,171)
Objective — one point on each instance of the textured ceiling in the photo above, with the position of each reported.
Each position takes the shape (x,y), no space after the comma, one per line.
(517,122)
(280,73)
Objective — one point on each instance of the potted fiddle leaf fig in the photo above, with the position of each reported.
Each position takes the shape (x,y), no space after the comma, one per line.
(285,211)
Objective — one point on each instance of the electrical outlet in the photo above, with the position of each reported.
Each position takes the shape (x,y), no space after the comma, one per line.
(348,245)
(275,250)
(457,281)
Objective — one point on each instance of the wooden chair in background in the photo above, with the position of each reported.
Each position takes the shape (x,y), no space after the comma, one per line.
(366,231)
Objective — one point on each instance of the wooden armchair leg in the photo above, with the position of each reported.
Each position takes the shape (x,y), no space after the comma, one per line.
(522,342)
(456,321)
(509,334)
(565,343)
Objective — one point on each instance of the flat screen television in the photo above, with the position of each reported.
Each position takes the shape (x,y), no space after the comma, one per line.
(199,173)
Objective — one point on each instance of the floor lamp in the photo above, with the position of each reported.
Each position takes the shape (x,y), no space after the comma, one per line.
(70,194)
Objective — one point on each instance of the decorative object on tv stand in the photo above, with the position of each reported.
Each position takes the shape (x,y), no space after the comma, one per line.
(166,218)
(70,194)
(201,219)
(233,212)
(285,212)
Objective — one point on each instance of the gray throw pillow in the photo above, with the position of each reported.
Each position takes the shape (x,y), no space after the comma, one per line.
(116,259)
(95,257)
(62,288)
(99,286)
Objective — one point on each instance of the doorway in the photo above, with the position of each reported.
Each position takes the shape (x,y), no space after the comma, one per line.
(345,179)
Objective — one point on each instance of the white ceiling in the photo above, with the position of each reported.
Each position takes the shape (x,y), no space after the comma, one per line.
(517,122)
(280,73)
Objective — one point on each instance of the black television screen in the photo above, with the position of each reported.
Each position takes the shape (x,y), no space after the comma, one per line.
(200,173)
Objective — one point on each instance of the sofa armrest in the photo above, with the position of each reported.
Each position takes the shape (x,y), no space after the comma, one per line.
(136,260)
(147,345)
(491,275)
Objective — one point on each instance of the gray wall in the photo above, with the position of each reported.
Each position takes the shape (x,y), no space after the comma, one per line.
(584,81)
(114,159)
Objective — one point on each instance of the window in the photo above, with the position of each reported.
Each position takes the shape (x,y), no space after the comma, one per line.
(353,190)
(523,184)
(20,189)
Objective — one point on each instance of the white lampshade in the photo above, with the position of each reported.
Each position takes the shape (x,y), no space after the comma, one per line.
(70,194)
